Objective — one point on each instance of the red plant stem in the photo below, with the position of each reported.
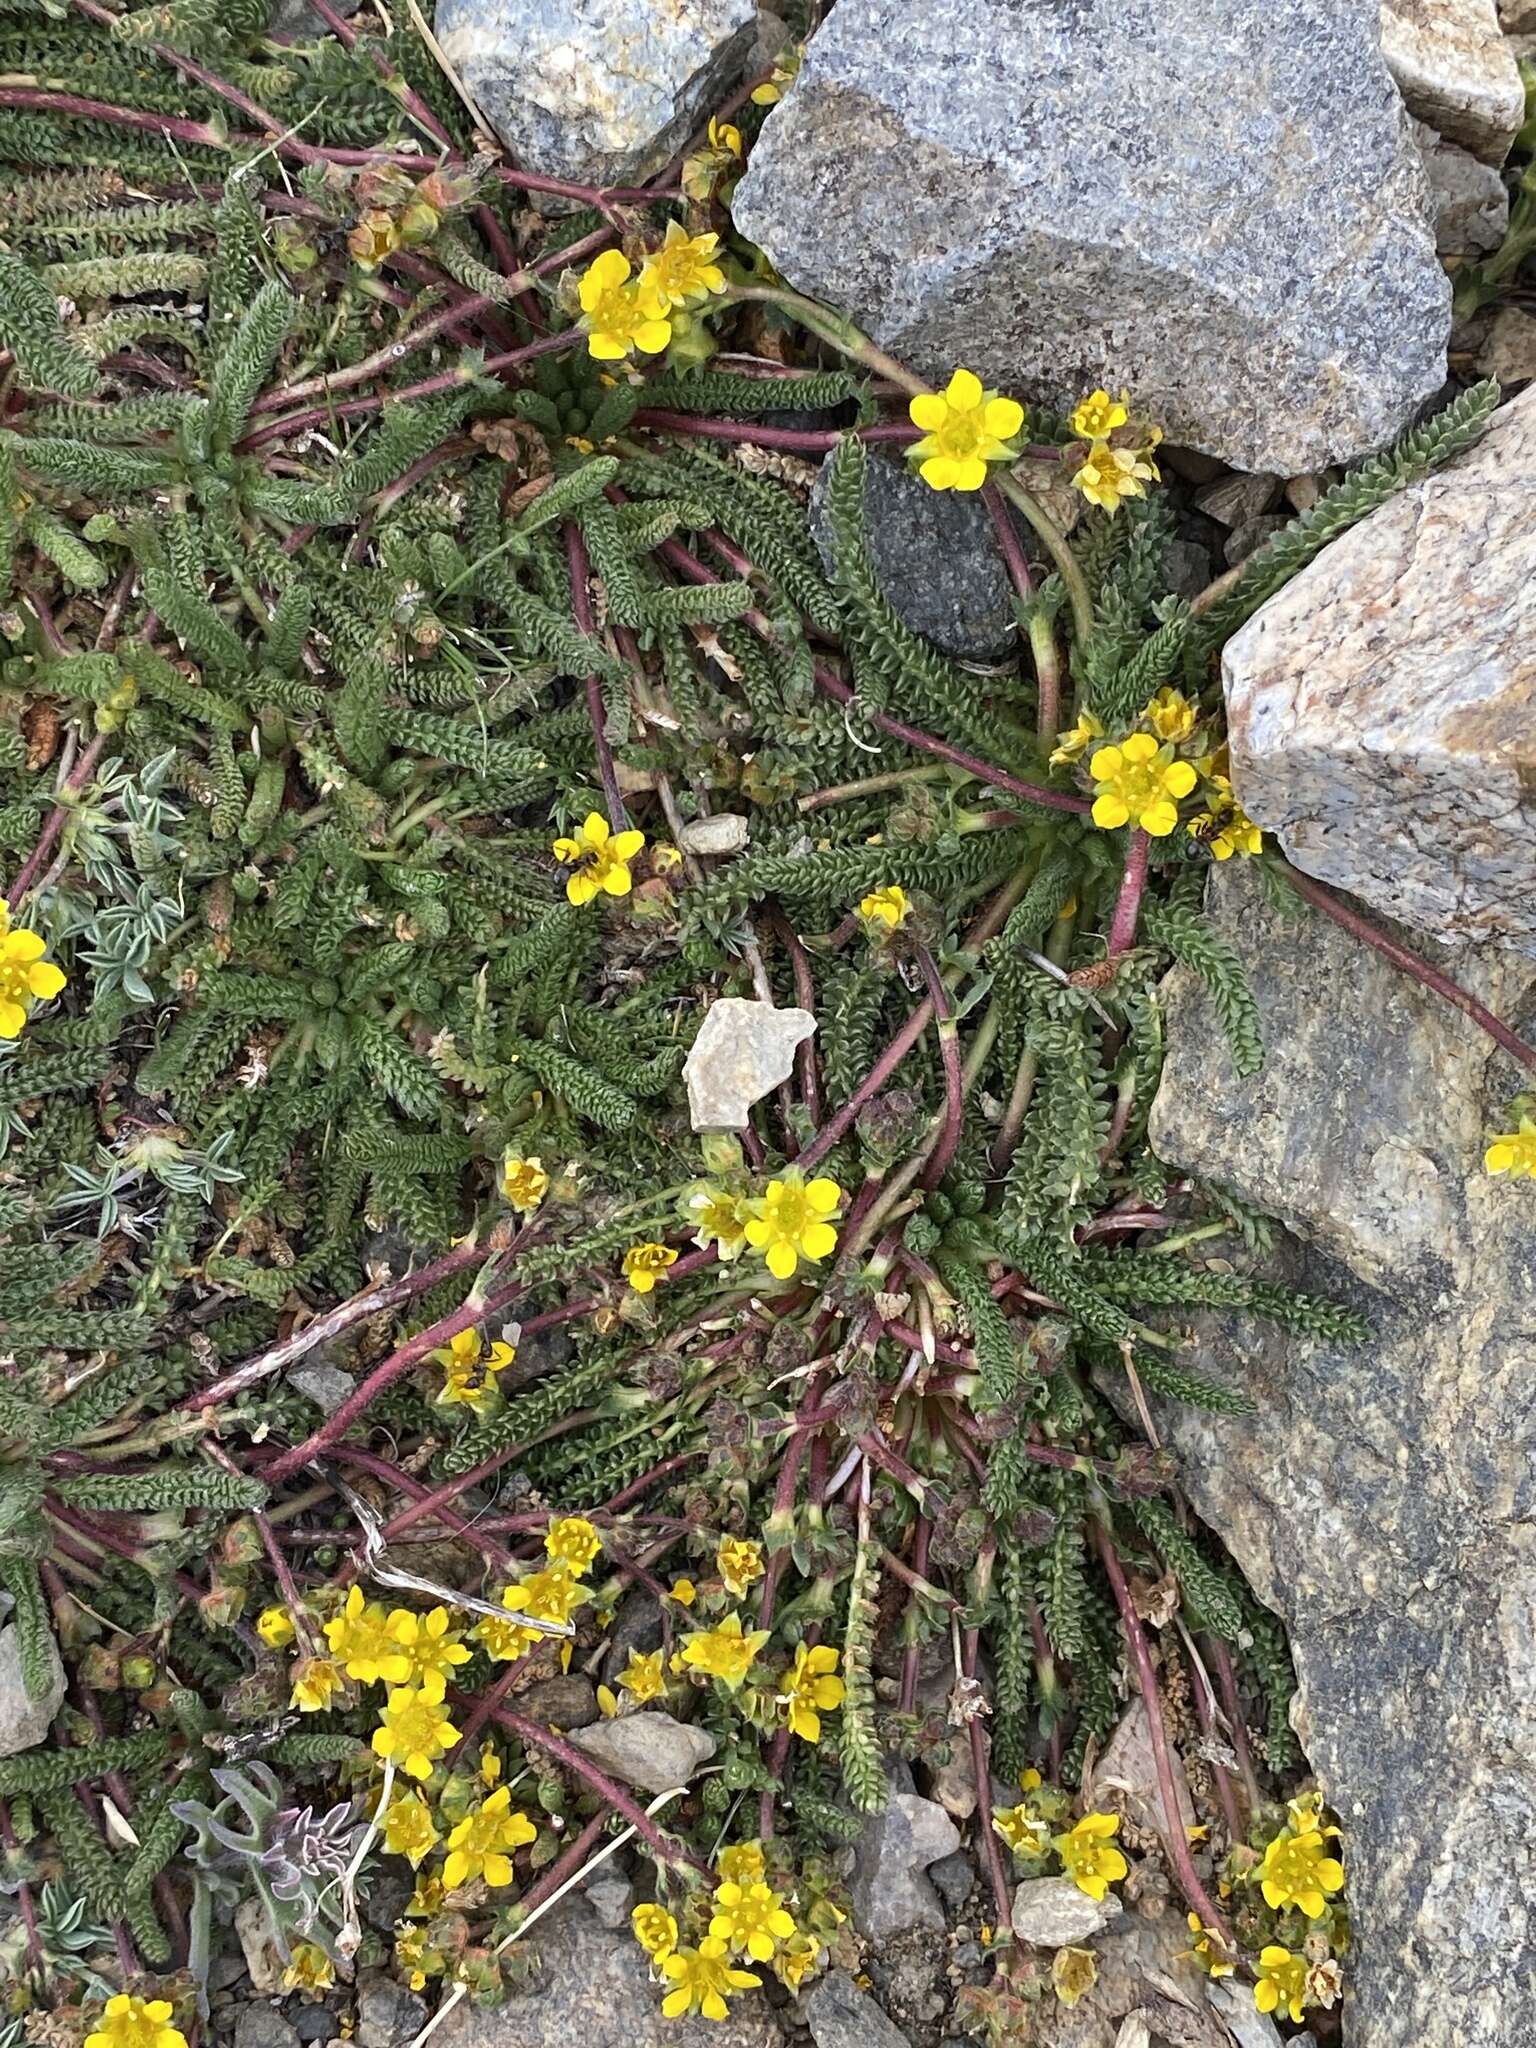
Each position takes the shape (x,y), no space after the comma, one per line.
(1410,963)
(391,1475)
(1175,1840)
(565,1865)
(1008,540)
(35,1955)
(795,440)
(1221,1662)
(485,1704)
(906,1701)
(879,1074)
(954,1079)
(913,736)
(970,1645)
(1122,930)
(533,1734)
(30,99)
(1221,1777)
(581,602)
(334,1321)
(53,824)
(784,1492)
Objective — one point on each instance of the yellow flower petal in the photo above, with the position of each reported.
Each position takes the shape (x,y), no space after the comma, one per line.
(1109,812)
(964,391)
(928,411)
(1003,418)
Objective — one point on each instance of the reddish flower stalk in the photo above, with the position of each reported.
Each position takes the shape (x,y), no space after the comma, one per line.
(53,824)
(784,1492)
(1122,930)
(1175,1841)
(32,99)
(794,440)
(597,711)
(981,1772)
(906,1700)
(1410,963)
(1221,1663)
(35,1954)
(1205,1714)
(954,1079)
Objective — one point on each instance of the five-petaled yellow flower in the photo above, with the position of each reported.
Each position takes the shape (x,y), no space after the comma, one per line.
(1139,783)
(750,1919)
(482,1843)
(136,2023)
(310,1968)
(721,1218)
(620,313)
(414,1730)
(796,1960)
(275,1628)
(682,272)
(742,1863)
(1282,1981)
(642,1676)
(887,906)
(524,1183)
(360,1640)
(655,1930)
(738,1560)
(793,1222)
(600,857)
(1515,1152)
(1077,739)
(430,1645)
(1224,828)
(572,1544)
(723,1652)
(964,429)
(1089,1856)
(1024,1832)
(1206,1950)
(548,1596)
(316,1682)
(1098,415)
(703,1975)
(644,1264)
(1171,715)
(811,1689)
(1299,1871)
(409,1829)
(469,1370)
(1108,475)
(25,976)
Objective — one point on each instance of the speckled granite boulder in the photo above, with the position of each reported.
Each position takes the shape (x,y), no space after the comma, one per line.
(1382,1495)
(601,92)
(1456,71)
(1383,706)
(991,185)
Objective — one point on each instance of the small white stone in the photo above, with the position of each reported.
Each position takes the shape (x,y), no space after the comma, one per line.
(742,1051)
(651,1750)
(1049,1912)
(1455,70)
(25,1721)
(725,833)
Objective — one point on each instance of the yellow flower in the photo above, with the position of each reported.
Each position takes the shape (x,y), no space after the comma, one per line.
(642,1677)
(684,1592)
(655,1930)
(1225,828)
(360,1640)
(1515,1152)
(415,1958)
(1204,1947)
(724,136)
(750,1919)
(739,1561)
(310,1968)
(1025,1834)
(136,2023)
(1074,1972)
(719,157)
(811,1689)
(542,1596)
(795,1962)
(619,316)
(25,976)
(722,1221)
(1098,415)
(275,1628)
(375,237)
(470,1370)
(490,1763)
(413,1731)
(792,1223)
(665,857)
(742,1863)
(1297,1871)
(1139,783)
(786,69)
(888,906)
(1076,740)
(964,428)
(409,1829)
(426,1902)
(644,1264)
(431,1650)
(1108,475)
(572,1544)
(1088,1854)
(600,855)
(1171,715)
(702,1975)
(482,1843)
(1282,1982)
(724,1652)
(681,272)
(524,1183)
(316,1682)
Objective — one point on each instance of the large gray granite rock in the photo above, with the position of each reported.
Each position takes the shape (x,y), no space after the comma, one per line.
(1383,706)
(601,92)
(1455,70)
(890,1888)
(1382,1497)
(1250,249)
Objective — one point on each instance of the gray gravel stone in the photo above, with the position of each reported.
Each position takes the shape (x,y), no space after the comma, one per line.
(24,1721)
(935,556)
(388,2015)
(1455,70)
(601,92)
(326,1385)
(724,833)
(1471,201)
(566,1701)
(1049,1912)
(1265,279)
(261,2026)
(742,1051)
(1382,707)
(954,1878)
(295,21)
(840,2015)
(611,1900)
(1381,1497)
(649,1749)
(315,2023)
(890,1890)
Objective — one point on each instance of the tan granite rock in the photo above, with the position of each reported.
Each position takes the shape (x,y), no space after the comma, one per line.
(1383,706)
(1509,353)
(1471,201)
(1455,70)
(1517,17)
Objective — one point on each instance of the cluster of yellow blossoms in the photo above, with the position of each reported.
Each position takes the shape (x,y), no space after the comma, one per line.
(1141,779)
(1115,461)
(968,431)
(622,312)
(747,1921)
(793,1219)
(1086,1851)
